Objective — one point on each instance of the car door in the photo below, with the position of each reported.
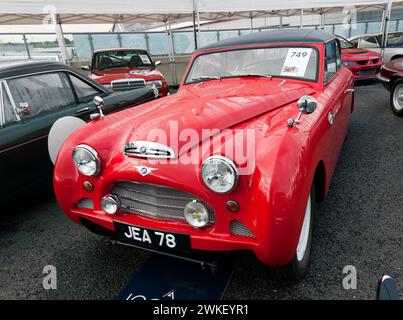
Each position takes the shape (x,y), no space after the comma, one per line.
(37,101)
(337,89)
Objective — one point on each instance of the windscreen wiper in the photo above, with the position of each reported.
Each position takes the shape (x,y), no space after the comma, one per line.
(255,75)
(206,78)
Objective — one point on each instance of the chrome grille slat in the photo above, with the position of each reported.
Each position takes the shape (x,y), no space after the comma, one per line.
(160,196)
(152,204)
(158,202)
(127,84)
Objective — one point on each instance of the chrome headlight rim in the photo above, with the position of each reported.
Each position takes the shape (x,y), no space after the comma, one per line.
(94,155)
(229,163)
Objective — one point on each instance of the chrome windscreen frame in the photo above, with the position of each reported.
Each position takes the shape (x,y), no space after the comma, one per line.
(5,90)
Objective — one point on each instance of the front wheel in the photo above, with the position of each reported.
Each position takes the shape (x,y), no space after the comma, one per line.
(396,98)
(298,266)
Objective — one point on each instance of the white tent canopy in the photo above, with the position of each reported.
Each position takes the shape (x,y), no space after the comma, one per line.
(124,11)
(60,12)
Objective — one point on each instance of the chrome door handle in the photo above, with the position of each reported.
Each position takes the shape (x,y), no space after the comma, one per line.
(83,110)
(330,117)
(349,90)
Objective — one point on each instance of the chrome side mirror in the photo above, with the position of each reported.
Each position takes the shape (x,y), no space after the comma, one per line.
(305,104)
(86,68)
(99,102)
(387,289)
(157,63)
(23,108)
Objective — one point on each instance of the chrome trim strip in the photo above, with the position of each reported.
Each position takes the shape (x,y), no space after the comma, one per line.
(21,144)
(383,79)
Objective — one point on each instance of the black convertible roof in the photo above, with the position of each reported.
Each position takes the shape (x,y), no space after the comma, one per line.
(23,68)
(27,68)
(264,37)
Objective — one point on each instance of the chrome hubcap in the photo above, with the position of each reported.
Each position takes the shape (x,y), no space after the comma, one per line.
(303,237)
(398,97)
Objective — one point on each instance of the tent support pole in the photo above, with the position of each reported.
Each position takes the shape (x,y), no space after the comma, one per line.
(198,23)
(251,22)
(385,28)
(194,24)
(171,52)
(301,19)
(60,37)
(26,46)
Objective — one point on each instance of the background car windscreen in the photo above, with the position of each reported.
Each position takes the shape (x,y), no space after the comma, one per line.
(296,62)
(121,59)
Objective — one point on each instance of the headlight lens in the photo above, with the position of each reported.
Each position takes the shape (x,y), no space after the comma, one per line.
(348,63)
(86,160)
(156,83)
(196,214)
(219,174)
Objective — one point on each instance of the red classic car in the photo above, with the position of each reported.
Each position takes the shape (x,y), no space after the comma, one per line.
(364,64)
(391,76)
(236,160)
(126,69)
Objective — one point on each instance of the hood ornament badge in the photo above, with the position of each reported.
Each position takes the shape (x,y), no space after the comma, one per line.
(147,149)
(143,170)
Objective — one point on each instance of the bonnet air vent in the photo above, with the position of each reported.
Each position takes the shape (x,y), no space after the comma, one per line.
(146,149)
(239,229)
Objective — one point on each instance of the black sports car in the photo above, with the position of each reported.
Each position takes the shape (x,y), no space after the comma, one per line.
(32,97)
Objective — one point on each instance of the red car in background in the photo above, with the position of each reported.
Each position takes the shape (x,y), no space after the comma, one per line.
(126,69)
(237,159)
(364,64)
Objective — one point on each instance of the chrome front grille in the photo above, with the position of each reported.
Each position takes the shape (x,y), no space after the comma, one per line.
(239,229)
(153,201)
(127,84)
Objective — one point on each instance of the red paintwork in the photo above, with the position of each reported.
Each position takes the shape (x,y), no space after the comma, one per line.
(151,73)
(272,199)
(364,60)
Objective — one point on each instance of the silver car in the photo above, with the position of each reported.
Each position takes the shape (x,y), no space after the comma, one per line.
(394,47)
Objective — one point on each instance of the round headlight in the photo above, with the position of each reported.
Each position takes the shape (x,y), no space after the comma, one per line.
(219,174)
(110,204)
(86,160)
(196,214)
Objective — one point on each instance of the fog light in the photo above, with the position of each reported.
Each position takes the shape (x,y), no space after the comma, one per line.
(110,204)
(196,214)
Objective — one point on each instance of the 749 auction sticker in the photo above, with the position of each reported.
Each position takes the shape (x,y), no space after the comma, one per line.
(296,62)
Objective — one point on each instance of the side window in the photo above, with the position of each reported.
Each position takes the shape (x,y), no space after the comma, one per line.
(7,108)
(330,60)
(41,93)
(369,42)
(84,91)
